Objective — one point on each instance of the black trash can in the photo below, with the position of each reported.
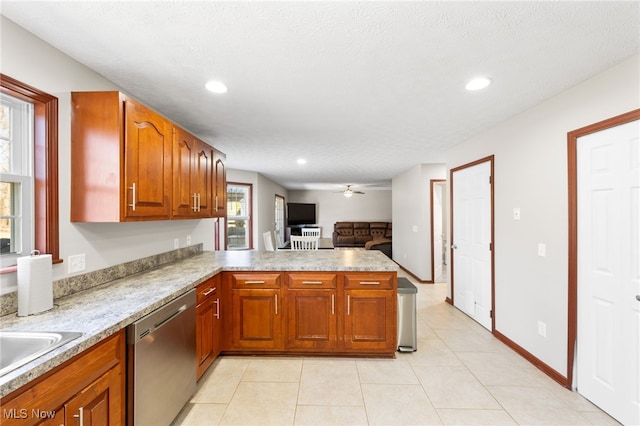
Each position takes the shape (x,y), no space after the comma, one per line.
(407,334)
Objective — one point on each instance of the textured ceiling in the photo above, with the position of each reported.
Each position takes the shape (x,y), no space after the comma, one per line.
(362,90)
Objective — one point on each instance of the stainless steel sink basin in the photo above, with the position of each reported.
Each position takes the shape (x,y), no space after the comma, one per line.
(17,348)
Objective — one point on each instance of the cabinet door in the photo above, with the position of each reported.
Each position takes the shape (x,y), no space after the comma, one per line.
(95,404)
(184,193)
(203,168)
(311,319)
(204,336)
(220,185)
(256,319)
(370,320)
(147,154)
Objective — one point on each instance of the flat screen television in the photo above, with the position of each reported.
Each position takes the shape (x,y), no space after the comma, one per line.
(301,214)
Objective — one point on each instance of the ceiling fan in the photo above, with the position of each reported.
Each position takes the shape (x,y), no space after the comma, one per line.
(349,192)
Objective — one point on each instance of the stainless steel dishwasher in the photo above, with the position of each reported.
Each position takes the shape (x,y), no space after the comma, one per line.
(162,362)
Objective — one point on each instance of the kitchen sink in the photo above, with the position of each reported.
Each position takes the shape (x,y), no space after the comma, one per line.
(17,348)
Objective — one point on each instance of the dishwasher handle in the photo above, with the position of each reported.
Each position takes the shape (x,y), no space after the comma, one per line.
(158,318)
(170,317)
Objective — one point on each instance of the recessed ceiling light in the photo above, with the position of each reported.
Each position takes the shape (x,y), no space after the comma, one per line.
(216,87)
(478,83)
(301,161)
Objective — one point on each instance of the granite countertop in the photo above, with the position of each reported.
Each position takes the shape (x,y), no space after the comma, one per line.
(104,310)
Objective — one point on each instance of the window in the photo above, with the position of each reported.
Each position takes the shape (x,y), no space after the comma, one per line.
(238,216)
(43,216)
(279,215)
(16,178)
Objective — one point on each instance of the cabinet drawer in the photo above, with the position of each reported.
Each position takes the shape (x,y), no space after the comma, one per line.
(257,280)
(370,281)
(311,281)
(206,290)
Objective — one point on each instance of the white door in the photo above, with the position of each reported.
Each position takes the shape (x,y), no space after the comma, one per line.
(608,358)
(471,242)
(438,190)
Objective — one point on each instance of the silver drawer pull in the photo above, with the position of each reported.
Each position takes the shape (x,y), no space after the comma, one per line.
(209,291)
(255,282)
(312,282)
(370,282)
(333,304)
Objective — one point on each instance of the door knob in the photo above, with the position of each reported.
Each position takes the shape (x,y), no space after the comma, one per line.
(454,246)
(638,297)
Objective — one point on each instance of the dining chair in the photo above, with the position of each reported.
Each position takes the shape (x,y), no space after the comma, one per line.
(312,232)
(304,242)
(268,241)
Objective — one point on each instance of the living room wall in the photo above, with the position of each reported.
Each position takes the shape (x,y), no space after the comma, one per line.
(412,218)
(332,207)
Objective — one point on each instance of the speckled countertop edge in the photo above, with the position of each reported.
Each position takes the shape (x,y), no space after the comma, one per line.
(104,310)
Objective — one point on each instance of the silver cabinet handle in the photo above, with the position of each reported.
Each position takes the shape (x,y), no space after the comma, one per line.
(198,201)
(217,314)
(255,282)
(348,304)
(133,196)
(195,204)
(79,416)
(276,303)
(312,282)
(370,282)
(209,291)
(216,203)
(333,304)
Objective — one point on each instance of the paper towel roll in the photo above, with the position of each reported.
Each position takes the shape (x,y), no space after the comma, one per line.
(35,289)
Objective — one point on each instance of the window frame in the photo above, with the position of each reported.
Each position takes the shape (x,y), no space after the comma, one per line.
(45,165)
(248,218)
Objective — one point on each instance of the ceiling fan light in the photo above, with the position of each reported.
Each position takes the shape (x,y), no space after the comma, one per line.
(348,192)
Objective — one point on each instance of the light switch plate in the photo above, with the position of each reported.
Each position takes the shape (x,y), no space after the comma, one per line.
(542,249)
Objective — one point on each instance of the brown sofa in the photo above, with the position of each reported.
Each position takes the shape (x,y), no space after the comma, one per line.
(370,235)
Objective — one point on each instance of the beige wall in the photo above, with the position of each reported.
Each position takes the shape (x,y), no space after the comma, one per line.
(531,173)
(32,61)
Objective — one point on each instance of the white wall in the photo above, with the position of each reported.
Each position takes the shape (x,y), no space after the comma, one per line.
(531,173)
(34,62)
(332,207)
(412,218)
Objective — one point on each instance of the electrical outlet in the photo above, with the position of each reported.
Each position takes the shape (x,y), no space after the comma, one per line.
(542,329)
(77,263)
(188,239)
(176,243)
(516,213)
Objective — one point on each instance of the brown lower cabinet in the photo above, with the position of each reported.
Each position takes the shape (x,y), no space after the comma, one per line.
(89,389)
(311,312)
(207,324)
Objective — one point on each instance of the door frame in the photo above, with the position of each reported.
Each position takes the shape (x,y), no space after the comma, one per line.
(572,309)
(432,185)
(450,300)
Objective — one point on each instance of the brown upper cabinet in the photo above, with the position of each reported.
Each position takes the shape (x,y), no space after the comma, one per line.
(128,163)
(192,176)
(220,190)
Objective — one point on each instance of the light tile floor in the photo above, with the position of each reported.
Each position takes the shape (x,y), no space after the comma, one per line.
(460,375)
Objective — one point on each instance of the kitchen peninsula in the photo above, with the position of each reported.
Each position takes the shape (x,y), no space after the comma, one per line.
(349,294)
